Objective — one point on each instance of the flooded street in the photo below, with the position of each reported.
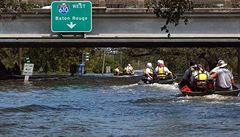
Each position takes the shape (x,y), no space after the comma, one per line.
(92,110)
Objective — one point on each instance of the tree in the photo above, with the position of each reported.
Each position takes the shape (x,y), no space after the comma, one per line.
(173,11)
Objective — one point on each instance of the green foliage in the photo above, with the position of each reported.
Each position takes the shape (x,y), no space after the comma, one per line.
(173,11)
(177,59)
(58,60)
(14,6)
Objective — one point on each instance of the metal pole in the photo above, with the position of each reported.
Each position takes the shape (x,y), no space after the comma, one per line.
(238,66)
(83,62)
(20,58)
(104,57)
(121,59)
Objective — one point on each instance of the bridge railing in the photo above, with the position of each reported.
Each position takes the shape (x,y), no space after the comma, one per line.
(148,3)
(139,3)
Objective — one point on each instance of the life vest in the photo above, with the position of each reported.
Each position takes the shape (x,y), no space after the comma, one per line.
(201,79)
(161,72)
(202,76)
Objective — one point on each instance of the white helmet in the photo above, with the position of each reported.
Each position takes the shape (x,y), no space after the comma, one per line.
(149,65)
(160,62)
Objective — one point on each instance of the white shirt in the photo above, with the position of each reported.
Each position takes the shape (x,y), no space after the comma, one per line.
(148,71)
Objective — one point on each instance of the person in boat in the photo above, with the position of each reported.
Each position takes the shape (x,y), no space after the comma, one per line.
(117,71)
(223,76)
(200,79)
(161,71)
(148,72)
(186,80)
(128,70)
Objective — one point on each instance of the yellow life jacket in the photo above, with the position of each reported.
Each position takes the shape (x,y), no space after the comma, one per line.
(161,72)
(202,76)
(201,79)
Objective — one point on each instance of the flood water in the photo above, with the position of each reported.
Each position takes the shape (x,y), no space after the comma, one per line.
(91,110)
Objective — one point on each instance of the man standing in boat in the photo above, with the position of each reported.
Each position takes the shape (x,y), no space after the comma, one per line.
(224,77)
(161,71)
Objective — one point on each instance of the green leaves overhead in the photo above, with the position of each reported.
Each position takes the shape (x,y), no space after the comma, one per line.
(173,11)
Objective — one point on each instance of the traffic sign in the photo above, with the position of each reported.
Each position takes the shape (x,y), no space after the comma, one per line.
(71,16)
(86,56)
(28,69)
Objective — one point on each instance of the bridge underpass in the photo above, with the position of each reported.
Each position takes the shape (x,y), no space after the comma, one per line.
(135,29)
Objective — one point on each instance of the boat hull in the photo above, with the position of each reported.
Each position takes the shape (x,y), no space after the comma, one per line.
(233,92)
(160,81)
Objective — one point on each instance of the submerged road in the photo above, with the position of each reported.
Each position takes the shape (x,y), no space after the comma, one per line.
(70,108)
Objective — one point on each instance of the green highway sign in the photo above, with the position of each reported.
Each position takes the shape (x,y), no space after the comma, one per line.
(71,16)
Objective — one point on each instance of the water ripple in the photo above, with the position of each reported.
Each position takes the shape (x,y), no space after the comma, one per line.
(27,108)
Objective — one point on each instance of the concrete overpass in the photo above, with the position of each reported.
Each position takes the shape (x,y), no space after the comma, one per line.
(124,28)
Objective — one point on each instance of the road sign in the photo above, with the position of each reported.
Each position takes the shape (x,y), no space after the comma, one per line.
(28,69)
(71,16)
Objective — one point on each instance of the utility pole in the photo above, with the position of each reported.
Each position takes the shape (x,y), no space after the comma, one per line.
(104,57)
(238,66)
(20,58)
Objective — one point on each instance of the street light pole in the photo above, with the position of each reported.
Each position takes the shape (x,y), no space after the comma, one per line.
(104,57)
(20,58)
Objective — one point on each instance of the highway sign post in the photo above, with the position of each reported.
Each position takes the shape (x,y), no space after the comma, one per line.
(71,16)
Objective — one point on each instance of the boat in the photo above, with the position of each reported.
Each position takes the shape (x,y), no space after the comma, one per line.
(233,92)
(124,74)
(159,81)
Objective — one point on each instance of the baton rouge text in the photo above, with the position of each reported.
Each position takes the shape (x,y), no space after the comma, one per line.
(73,18)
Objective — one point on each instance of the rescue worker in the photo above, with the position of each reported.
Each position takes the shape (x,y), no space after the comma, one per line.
(117,71)
(129,70)
(200,79)
(148,73)
(186,80)
(161,71)
(223,76)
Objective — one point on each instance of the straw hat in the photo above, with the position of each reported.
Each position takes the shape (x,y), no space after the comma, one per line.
(221,63)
